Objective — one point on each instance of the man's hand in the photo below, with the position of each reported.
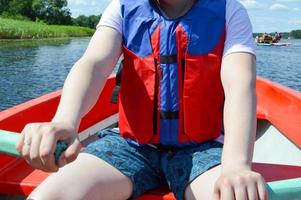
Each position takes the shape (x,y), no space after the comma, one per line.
(38,141)
(240,184)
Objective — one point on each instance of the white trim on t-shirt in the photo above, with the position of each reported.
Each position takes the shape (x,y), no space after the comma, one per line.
(239,34)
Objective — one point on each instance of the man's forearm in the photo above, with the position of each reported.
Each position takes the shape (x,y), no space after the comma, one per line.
(240,126)
(239,81)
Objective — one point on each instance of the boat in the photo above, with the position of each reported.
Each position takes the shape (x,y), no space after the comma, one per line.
(277,154)
(270,40)
(263,44)
(279,44)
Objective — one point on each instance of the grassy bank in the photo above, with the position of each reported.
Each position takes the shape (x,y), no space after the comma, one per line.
(15,29)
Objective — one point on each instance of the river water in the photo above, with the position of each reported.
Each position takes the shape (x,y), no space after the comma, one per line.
(29,69)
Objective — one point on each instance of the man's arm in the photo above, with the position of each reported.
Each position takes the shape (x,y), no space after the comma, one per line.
(88,76)
(237,181)
(239,79)
(81,90)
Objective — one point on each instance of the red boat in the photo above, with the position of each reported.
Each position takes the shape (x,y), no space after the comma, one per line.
(277,150)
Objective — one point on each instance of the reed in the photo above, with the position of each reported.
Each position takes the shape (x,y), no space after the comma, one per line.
(16,29)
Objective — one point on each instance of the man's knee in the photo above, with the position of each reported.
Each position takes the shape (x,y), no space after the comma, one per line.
(191,193)
(61,194)
(45,191)
(44,196)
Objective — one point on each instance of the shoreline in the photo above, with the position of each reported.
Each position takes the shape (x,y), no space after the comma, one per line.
(26,43)
(11,29)
(42,39)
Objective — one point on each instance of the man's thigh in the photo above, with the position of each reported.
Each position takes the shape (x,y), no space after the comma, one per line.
(108,168)
(202,187)
(88,177)
(138,162)
(185,165)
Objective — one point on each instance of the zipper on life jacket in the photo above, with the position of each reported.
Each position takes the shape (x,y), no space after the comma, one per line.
(183,63)
(168,59)
(155,113)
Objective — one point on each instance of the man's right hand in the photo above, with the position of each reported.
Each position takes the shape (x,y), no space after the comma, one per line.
(80,92)
(38,141)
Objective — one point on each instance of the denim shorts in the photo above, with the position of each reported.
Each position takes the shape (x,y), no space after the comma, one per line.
(150,166)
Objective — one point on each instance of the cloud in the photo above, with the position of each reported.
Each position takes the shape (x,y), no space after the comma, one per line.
(295,22)
(82,2)
(278,6)
(287,1)
(252,4)
(87,7)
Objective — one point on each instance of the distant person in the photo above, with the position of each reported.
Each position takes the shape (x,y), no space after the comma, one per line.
(277,37)
(186,80)
(264,37)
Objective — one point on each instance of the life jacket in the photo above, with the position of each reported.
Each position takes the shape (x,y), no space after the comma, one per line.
(170,84)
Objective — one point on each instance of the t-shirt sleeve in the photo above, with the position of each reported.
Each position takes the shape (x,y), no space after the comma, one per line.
(239,33)
(111,17)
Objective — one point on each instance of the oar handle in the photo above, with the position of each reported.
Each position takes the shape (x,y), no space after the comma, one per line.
(8,141)
(289,189)
(60,148)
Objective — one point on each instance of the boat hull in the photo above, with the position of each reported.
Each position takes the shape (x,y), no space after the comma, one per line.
(278,107)
(273,44)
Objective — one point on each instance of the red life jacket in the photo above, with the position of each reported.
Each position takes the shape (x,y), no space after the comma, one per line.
(190,50)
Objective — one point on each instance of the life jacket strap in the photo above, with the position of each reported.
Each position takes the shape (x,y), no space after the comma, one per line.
(168,59)
(169,115)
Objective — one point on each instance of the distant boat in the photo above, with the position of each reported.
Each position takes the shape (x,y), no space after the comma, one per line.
(274,44)
(270,40)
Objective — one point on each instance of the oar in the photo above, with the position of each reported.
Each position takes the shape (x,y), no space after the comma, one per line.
(8,141)
(289,189)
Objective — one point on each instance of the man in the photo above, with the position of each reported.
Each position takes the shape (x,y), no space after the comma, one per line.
(187,65)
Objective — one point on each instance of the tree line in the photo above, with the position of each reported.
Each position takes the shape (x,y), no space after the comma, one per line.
(47,11)
(296,34)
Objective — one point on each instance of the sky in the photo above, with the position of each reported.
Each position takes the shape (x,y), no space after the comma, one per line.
(265,15)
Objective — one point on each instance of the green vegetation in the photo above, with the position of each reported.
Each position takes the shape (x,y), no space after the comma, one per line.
(85,21)
(16,29)
(17,19)
(295,34)
(48,11)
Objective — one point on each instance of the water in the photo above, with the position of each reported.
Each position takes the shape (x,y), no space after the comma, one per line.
(29,69)
(281,64)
